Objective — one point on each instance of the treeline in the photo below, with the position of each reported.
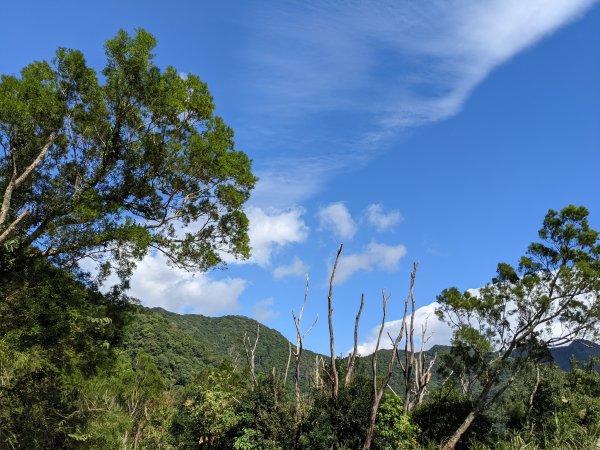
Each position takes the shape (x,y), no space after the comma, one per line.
(66,381)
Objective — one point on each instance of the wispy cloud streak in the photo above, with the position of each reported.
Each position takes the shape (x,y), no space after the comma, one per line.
(377,68)
(415,62)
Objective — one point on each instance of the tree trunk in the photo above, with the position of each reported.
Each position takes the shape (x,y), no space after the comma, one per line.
(250,350)
(378,391)
(451,443)
(482,401)
(334,372)
(352,357)
(298,352)
(372,419)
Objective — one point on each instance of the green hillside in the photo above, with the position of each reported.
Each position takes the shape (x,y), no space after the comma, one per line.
(183,345)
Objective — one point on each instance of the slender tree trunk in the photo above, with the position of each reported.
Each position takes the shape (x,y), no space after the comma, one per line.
(250,350)
(352,358)
(530,423)
(334,373)
(409,355)
(378,392)
(287,366)
(451,443)
(482,400)
(422,374)
(298,353)
(372,419)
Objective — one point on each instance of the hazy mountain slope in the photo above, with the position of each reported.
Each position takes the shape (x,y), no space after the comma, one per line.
(581,350)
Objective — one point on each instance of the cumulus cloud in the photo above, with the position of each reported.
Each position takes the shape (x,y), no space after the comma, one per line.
(296,268)
(156,284)
(263,311)
(374,256)
(271,230)
(381,220)
(437,331)
(336,218)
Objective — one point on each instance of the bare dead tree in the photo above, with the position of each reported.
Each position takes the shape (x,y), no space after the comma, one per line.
(379,390)
(532,396)
(409,349)
(287,366)
(319,368)
(334,373)
(416,370)
(298,353)
(250,351)
(423,369)
(352,357)
(234,356)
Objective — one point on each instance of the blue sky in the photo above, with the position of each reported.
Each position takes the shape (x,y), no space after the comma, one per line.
(439,132)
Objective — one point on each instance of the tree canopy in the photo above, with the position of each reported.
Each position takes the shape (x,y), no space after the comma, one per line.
(110,165)
(551,298)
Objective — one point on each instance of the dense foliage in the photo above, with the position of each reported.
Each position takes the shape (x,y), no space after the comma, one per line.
(85,370)
(113,164)
(55,332)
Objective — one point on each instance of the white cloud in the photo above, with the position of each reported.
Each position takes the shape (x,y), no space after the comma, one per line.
(263,311)
(380,220)
(296,268)
(375,256)
(394,64)
(289,181)
(437,331)
(270,230)
(440,333)
(336,218)
(404,63)
(156,284)
(471,40)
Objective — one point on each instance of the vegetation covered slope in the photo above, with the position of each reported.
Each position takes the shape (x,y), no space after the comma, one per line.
(183,345)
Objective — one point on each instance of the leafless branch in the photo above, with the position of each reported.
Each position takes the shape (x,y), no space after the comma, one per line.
(379,390)
(352,359)
(298,353)
(250,352)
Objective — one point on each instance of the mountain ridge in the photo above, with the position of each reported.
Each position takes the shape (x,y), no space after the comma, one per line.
(183,345)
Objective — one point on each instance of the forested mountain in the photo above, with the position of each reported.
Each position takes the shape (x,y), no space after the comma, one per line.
(581,350)
(183,345)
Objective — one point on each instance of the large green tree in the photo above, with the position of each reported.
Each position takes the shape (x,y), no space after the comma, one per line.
(551,298)
(113,164)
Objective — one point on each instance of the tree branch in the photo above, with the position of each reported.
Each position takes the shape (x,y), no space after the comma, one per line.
(352,360)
